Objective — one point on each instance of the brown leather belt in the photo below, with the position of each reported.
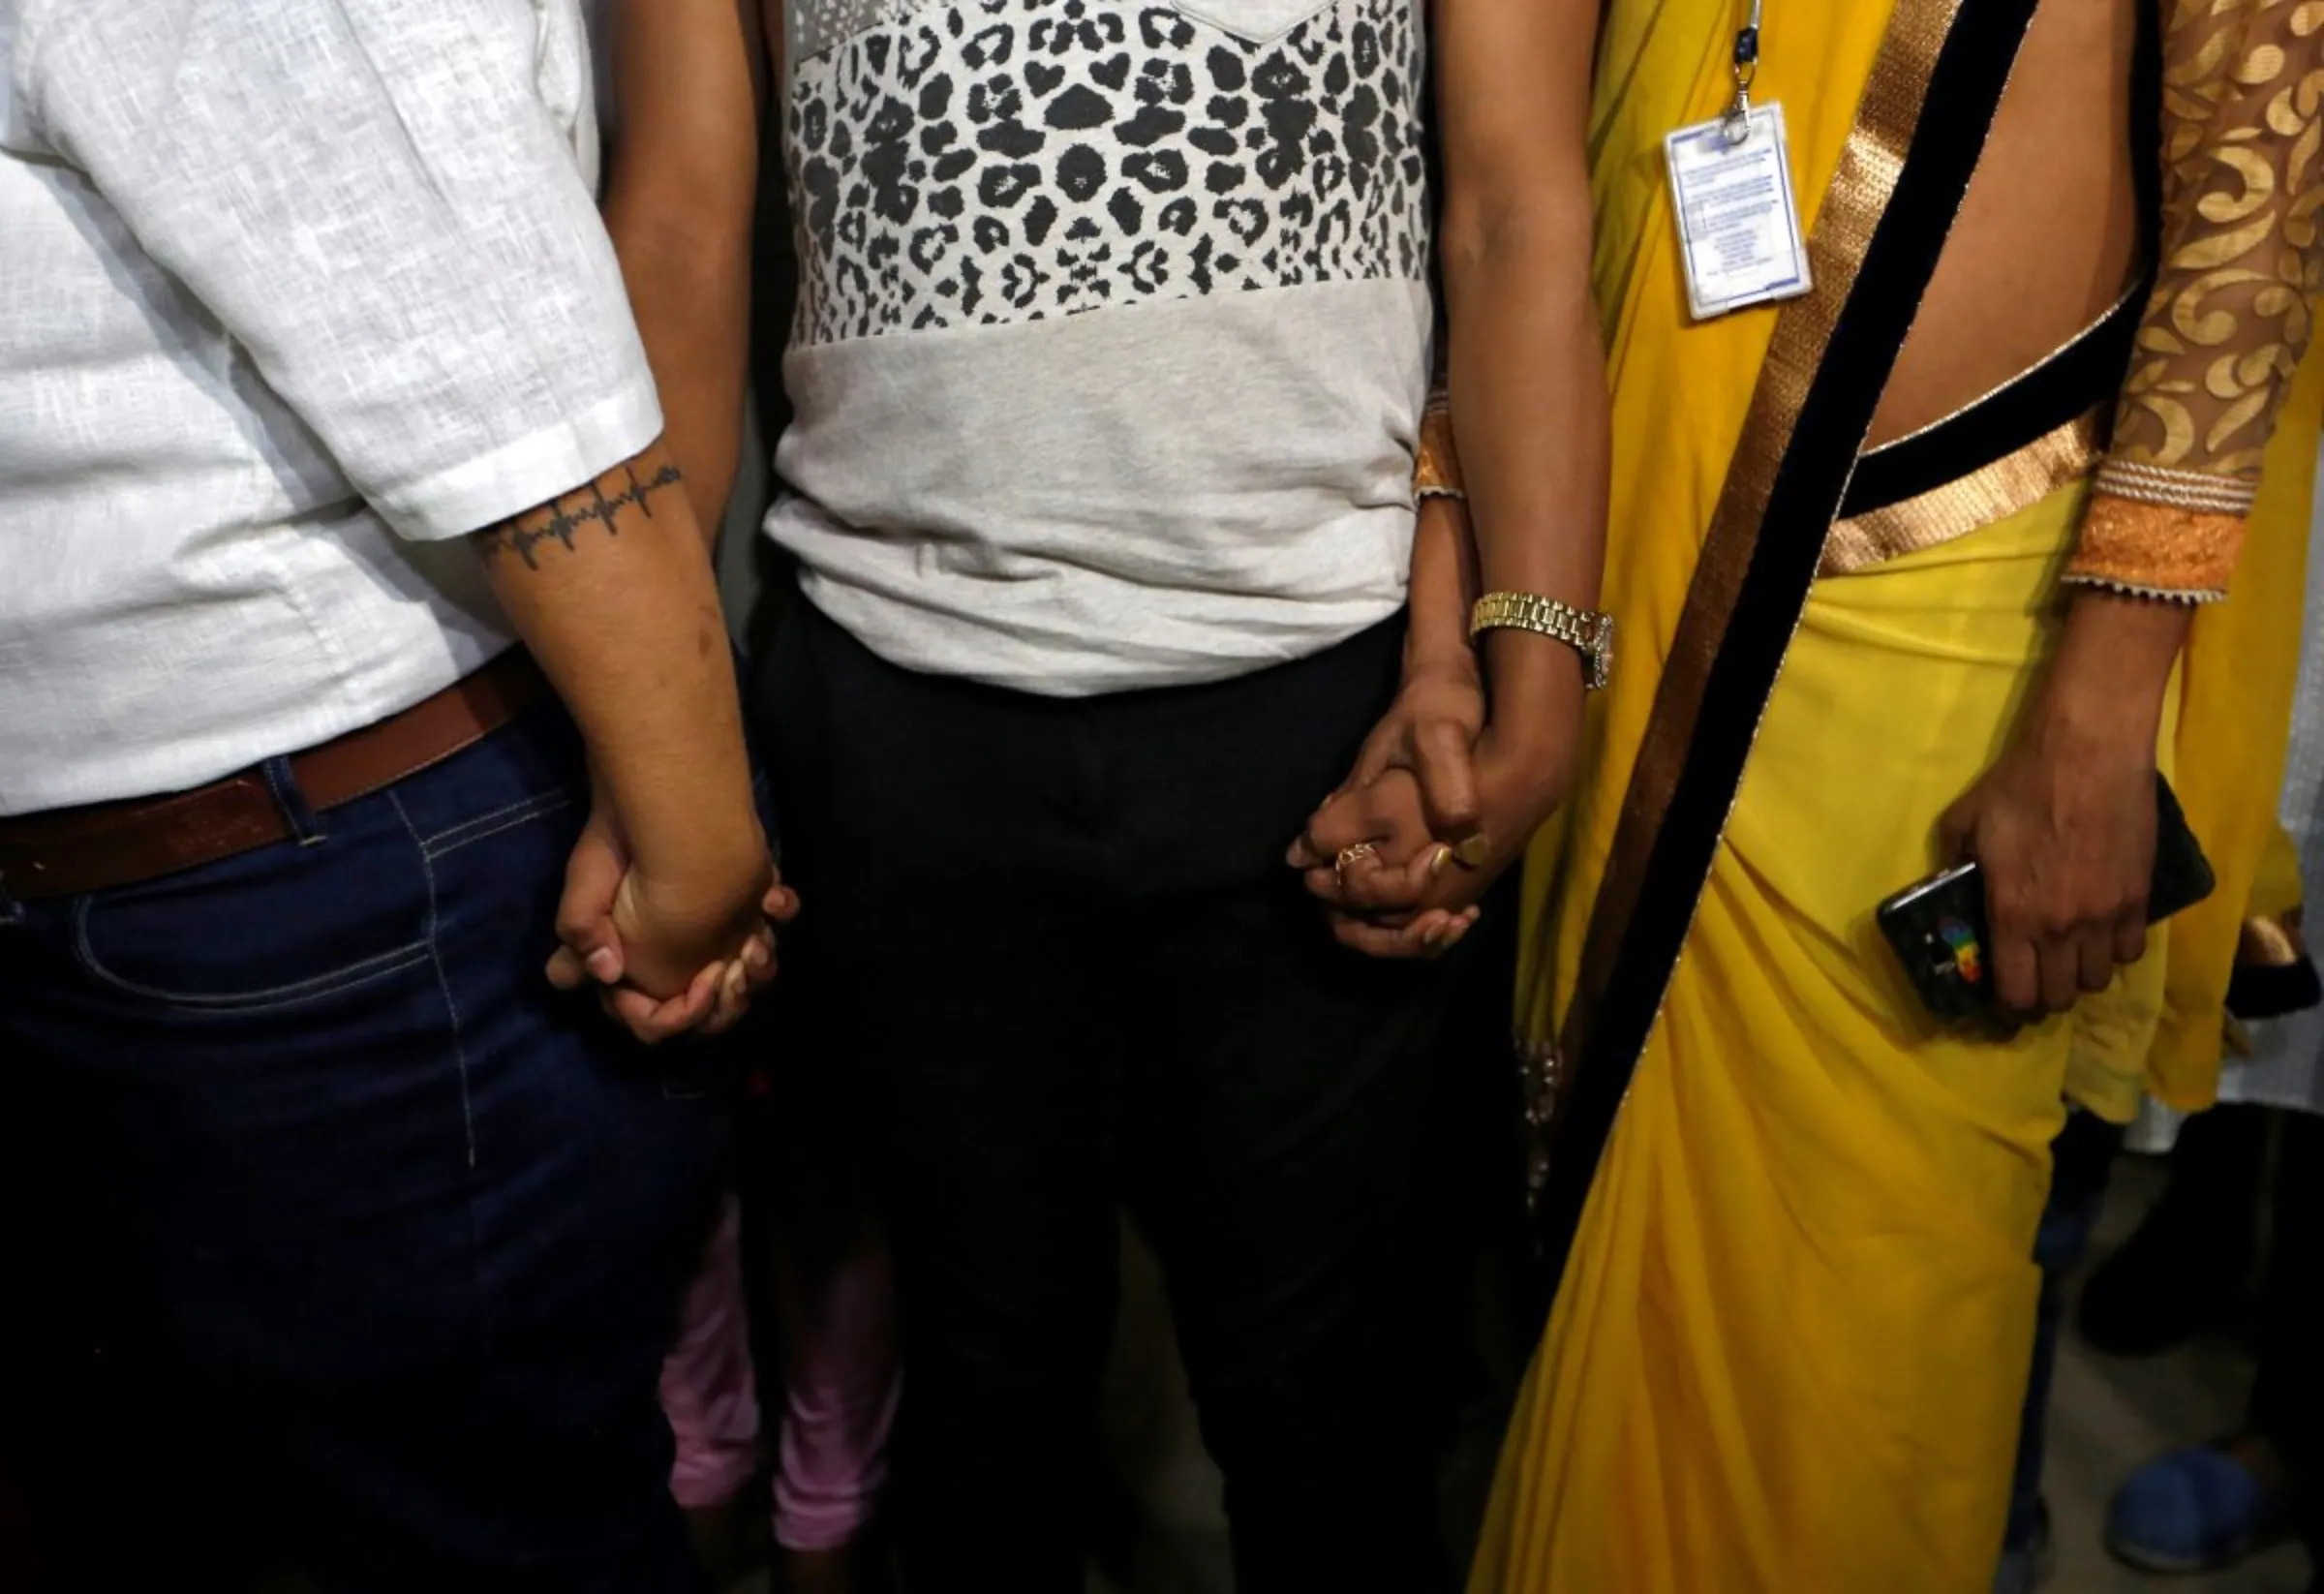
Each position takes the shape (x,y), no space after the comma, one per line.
(67,852)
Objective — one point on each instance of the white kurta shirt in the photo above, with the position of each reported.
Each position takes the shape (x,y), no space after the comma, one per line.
(293,295)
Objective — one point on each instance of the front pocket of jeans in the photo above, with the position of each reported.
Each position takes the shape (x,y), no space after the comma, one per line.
(280,927)
(500,820)
(1254,22)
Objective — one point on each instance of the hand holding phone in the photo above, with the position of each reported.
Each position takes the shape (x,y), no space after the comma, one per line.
(1938,928)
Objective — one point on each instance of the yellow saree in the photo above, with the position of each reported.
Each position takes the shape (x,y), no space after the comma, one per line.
(1795,1297)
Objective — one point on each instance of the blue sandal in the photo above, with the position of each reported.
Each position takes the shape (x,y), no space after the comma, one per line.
(2193,1510)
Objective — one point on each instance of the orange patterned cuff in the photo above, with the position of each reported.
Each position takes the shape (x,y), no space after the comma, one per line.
(2157,550)
(1436,462)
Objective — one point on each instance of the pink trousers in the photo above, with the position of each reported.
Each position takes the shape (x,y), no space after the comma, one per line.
(840,1384)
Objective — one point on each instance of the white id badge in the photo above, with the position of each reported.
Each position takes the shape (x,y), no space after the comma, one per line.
(1738,229)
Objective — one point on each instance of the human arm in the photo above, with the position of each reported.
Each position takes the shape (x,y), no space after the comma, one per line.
(681,187)
(1528,394)
(2064,825)
(683,159)
(609,588)
(1526,367)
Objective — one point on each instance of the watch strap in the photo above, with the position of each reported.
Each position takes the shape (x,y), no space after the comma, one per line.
(1586,631)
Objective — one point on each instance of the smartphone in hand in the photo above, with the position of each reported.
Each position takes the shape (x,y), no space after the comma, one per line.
(1938,928)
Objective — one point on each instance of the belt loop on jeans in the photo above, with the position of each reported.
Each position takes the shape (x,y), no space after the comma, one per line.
(305,824)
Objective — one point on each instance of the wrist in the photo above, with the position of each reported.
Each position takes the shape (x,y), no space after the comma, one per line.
(1437,642)
(2099,726)
(1532,675)
(1441,659)
(2087,719)
(1535,696)
(2106,686)
(701,862)
(1444,584)
(1529,761)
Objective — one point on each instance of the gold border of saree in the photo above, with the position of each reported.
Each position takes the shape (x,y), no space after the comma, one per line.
(2016,480)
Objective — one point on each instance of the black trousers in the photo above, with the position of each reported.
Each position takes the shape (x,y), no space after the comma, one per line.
(1056,943)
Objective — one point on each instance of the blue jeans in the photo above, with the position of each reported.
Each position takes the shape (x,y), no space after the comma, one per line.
(415,1222)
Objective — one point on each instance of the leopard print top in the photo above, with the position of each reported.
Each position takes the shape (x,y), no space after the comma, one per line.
(989,162)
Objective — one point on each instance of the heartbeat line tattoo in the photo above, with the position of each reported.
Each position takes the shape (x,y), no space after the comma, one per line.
(565,516)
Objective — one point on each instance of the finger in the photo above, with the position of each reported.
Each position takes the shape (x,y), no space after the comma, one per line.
(733,1000)
(1439,933)
(1368,886)
(758,956)
(2093,955)
(1362,813)
(1405,886)
(1417,938)
(1427,872)
(680,1015)
(655,1023)
(732,992)
(1956,831)
(1383,751)
(1319,844)
(1443,928)
(1457,930)
(1307,850)
(568,973)
(1324,883)
(781,904)
(2061,974)
(1474,851)
(1446,943)
(1340,824)
(2129,938)
(650,1022)
(592,875)
(2016,973)
(639,1014)
(1447,767)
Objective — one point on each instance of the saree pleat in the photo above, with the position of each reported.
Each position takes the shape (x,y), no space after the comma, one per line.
(1794,1329)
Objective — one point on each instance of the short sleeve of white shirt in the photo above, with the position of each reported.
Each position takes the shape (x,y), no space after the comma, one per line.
(379,205)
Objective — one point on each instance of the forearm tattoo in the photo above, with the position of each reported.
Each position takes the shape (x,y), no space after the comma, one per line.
(557,522)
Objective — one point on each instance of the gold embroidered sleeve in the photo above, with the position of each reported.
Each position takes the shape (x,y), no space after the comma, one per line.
(2229,318)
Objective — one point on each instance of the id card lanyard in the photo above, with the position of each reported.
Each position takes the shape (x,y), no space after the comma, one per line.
(1730,190)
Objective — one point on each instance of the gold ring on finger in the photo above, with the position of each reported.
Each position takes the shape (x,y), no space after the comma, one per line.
(1349,855)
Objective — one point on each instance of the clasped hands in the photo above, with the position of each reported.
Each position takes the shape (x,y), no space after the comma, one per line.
(1444,797)
(674,942)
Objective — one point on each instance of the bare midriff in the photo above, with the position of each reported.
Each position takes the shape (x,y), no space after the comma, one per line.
(2048,232)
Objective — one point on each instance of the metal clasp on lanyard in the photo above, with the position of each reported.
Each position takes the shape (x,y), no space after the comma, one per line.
(1735,129)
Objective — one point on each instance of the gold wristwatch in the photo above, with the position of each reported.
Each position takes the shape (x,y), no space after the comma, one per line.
(1586,631)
